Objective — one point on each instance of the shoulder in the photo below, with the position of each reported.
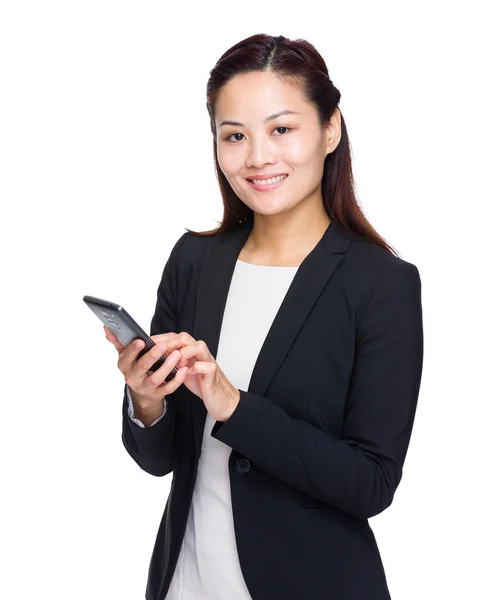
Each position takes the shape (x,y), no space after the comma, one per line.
(190,248)
(369,271)
(369,263)
(188,254)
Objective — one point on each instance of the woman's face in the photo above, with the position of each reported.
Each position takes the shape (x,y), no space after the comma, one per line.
(294,145)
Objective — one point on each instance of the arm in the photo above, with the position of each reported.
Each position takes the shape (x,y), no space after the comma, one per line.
(359,472)
(152,448)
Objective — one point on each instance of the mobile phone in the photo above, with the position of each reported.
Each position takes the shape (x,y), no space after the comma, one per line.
(124,328)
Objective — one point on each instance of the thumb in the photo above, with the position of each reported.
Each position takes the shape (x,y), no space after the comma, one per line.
(113,339)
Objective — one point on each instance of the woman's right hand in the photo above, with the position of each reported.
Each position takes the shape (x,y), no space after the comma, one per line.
(148,389)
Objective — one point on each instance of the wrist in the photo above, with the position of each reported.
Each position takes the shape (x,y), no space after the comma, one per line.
(147,410)
(234,404)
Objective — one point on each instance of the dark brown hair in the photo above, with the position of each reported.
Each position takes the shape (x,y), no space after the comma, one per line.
(297,61)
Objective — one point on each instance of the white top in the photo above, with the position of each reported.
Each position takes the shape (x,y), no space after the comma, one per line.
(208,567)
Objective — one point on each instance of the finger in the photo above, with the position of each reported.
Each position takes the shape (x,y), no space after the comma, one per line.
(113,339)
(172,386)
(172,341)
(157,378)
(183,362)
(162,337)
(128,356)
(178,341)
(170,346)
(198,350)
(203,368)
(147,360)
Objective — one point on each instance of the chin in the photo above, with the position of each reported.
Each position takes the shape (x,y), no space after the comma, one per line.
(270,212)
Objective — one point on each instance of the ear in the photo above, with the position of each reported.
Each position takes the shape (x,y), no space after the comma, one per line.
(333,131)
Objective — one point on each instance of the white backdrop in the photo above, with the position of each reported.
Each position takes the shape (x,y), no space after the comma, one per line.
(105,157)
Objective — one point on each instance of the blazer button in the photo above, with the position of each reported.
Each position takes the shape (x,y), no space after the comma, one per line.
(242,465)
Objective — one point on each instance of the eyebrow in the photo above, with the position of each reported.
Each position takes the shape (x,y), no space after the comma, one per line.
(271,118)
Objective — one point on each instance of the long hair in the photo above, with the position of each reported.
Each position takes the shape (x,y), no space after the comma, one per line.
(300,62)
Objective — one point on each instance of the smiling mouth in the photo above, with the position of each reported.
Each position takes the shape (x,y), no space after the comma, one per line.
(268,181)
(267,184)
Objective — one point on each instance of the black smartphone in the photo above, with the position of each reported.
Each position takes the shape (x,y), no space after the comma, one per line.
(124,328)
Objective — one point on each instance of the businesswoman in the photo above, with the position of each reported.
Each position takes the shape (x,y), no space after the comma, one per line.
(297,336)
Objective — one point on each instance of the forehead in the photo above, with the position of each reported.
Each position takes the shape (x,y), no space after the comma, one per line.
(257,95)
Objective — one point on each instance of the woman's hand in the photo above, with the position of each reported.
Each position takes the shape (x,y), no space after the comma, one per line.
(205,378)
(147,387)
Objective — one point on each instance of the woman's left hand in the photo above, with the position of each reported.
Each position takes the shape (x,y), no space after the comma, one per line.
(204,378)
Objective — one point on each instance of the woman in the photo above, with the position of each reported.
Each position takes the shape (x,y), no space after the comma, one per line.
(297,335)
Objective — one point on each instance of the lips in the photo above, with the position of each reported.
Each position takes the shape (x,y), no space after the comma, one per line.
(264,177)
(266,187)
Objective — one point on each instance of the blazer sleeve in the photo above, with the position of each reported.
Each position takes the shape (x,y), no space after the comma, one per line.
(359,472)
(152,448)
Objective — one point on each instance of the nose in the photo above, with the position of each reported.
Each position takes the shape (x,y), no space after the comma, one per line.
(260,152)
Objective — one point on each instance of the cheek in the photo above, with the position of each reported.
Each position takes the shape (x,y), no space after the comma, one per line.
(299,154)
(229,161)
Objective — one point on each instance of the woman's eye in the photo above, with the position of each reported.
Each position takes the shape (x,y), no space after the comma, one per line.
(280,127)
(230,136)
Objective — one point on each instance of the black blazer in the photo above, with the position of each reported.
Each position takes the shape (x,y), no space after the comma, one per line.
(320,437)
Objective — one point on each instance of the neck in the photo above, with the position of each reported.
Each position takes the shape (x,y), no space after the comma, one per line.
(283,237)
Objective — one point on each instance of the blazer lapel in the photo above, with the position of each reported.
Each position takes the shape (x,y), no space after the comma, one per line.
(309,282)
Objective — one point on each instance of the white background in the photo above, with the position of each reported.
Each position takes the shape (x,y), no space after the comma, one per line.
(105,157)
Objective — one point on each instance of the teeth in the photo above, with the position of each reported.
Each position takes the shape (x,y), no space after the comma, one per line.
(268,181)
